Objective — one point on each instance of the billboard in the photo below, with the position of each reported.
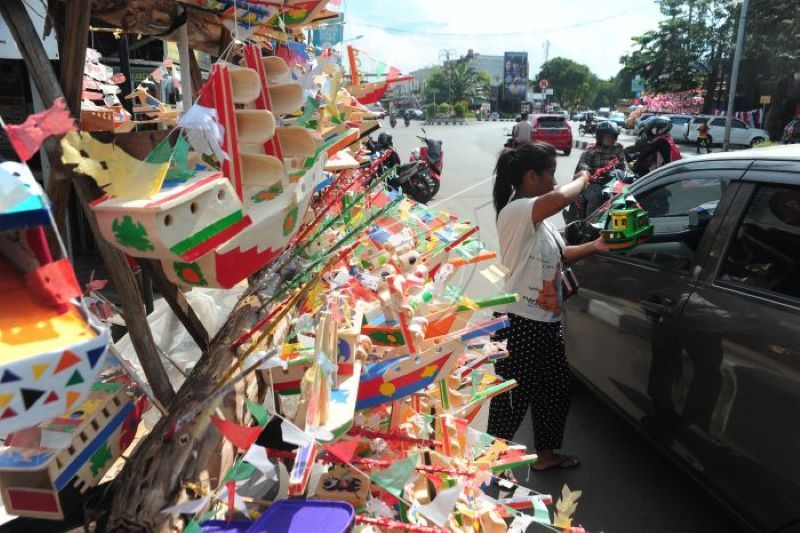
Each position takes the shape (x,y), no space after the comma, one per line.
(515,75)
(329,35)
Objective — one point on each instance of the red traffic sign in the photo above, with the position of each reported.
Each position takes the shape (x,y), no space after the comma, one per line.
(544,84)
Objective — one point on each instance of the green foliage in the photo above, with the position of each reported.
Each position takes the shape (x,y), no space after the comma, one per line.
(430,110)
(460,110)
(573,83)
(456,82)
(443,109)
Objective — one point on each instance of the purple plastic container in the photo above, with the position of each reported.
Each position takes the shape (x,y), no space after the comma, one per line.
(305,516)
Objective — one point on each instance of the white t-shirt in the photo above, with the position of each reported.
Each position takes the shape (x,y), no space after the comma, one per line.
(532,255)
(523,132)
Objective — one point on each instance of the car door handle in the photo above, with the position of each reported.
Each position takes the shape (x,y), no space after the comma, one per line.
(657,308)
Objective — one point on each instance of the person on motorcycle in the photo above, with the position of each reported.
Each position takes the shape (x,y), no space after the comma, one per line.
(597,156)
(659,147)
(522,130)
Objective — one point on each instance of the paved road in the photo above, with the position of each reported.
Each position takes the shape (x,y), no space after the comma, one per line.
(627,485)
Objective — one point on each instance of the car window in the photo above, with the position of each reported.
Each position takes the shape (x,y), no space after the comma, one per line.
(551,122)
(679,121)
(765,253)
(717,122)
(679,212)
(738,124)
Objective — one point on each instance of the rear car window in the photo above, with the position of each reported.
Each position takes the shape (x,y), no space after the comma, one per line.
(551,122)
(765,254)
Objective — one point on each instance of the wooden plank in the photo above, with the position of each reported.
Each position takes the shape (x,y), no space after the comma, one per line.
(44,78)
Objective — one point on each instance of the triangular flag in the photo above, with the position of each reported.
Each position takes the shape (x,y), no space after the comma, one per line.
(228,493)
(5,398)
(540,512)
(27,138)
(51,397)
(9,376)
(39,369)
(240,436)
(75,379)
(72,397)
(67,360)
(8,413)
(190,507)
(259,413)
(240,471)
(94,355)
(343,450)
(394,478)
(257,456)
(291,434)
(442,505)
(30,396)
(193,527)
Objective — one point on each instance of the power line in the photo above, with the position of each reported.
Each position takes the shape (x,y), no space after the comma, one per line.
(404,31)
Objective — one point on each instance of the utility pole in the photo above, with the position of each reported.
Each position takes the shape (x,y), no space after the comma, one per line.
(737,58)
(445,53)
(546,47)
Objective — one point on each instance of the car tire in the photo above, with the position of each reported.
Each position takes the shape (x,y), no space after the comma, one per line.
(756,141)
(568,151)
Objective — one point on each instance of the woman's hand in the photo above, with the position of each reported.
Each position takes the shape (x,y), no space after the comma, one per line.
(576,253)
(599,245)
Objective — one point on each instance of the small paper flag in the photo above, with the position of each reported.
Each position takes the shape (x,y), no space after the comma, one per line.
(189,507)
(240,436)
(240,471)
(343,450)
(27,138)
(257,456)
(259,413)
(394,478)
(441,506)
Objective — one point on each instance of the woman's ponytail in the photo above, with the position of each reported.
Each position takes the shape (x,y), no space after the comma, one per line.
(513,163)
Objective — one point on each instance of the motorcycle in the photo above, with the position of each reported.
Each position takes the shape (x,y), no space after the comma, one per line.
(588,128)
(510,141)
(407,120)
(393,119)
(413,178)
(432,157)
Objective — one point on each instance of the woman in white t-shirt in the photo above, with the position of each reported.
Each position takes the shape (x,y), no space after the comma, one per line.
(525,195)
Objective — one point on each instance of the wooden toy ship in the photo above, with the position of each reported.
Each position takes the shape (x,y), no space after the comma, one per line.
(369,93)
(627,224)
(45,469)
(51,347)
(218,227)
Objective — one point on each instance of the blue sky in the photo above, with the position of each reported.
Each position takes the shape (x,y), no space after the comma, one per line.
(594,32)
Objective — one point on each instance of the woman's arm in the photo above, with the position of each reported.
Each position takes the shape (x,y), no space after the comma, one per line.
(551,203)
(576,253)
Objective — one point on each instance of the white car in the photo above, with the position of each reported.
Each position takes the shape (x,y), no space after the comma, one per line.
(741,133)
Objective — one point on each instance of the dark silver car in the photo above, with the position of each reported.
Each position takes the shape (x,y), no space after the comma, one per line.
(695,335)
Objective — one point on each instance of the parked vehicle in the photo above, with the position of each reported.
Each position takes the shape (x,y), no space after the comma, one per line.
(420,177)
(431,155)
(413,113)
(617,118)
(693,124)
(678,123)
(588,128)
(553,129)
(494,116)
(693,335)
(791,134)
(741,133)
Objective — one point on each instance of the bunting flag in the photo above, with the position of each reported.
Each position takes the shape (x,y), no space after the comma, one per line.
(394,478)
(343,450)
(293,435)
(258,412)
(27,138)
(442,505)
(240,436)
(257,456)
(240,471)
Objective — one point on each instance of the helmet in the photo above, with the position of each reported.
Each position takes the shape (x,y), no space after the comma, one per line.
(384,139)
(607,127)
(656,126)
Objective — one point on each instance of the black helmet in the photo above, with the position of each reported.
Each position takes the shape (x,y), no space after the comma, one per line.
(607,127)
(385,140)
(656,126)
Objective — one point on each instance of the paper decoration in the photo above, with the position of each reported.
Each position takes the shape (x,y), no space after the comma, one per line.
(240,471)
(27,138)
(565,507)
(257,456)
(343,450)
(442,505)
(394,478)
(258,412)
(540,512)
(294,435)
(228,494)
(203,130)
(240,436)
(188,507)
(520,523)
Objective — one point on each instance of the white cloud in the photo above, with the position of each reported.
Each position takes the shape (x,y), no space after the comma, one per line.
(593,32)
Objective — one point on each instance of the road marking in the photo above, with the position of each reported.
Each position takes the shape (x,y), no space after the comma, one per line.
(456,195)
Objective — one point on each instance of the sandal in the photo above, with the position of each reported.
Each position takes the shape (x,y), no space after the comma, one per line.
(566,461)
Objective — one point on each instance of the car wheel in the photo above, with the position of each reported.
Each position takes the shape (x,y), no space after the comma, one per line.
(568,151)
(757,140)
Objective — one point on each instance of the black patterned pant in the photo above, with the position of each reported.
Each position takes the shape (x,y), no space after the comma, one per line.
(537,360)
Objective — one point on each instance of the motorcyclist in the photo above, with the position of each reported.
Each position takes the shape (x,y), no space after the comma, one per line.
(407,117)
(659,147)
(598,155)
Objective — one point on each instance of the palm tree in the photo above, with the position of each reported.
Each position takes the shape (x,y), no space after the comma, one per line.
(466,83)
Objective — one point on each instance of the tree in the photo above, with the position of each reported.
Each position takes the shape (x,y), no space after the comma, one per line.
(455,82)
(573,83)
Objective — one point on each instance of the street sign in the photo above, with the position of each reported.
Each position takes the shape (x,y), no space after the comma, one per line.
(637,84)
(544,84)
(548,92)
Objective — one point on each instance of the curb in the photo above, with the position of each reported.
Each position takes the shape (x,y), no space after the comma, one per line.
(445,122)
